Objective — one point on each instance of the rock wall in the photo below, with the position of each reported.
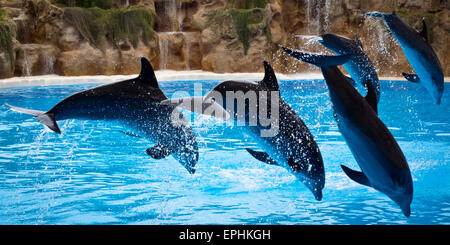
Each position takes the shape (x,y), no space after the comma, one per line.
(63,37)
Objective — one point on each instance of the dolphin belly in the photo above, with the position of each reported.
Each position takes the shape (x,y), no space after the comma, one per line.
(423,68)
(367,154)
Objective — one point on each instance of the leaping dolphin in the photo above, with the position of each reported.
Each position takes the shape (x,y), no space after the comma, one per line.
(135,103)
(359,66)
(377,153)
(419,53)
(292,146)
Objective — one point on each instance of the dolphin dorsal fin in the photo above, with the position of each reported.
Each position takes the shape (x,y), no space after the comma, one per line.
(270,80)
(424,32)
(147,74)
(371,96)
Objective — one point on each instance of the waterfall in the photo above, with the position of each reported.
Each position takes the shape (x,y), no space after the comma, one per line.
(127,3)
(26,67)
(187,47)
(311,18)
(326,16)
(180,16)
(22,28)
(163,44)
(171,12)
(48,62)
(317,16)
(172,35)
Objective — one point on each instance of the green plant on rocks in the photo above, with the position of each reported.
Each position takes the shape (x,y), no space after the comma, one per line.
(103,4)
(6,41)
(246,4)
(415,20)
(244,20)
(97,25)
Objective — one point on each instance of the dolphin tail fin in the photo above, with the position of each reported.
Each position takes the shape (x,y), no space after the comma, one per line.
(411,77)
(48,119)
(317,59)
(356,176)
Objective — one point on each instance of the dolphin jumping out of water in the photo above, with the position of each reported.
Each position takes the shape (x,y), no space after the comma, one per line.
(135,103)
(419,53)
(359,66)
(291,146)
(377,153)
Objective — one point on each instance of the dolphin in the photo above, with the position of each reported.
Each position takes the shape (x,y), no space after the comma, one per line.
(359,66)
(292,146)
(377,153)
(419,53)
(136,104)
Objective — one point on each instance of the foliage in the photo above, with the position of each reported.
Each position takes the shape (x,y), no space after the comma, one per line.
(97,25)
(243,21)
(415,20)
(6,41)
(2,14)
(103,4)
(246,4)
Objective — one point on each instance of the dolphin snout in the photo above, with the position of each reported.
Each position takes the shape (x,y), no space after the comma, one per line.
(316,188)
(404,202)
(190,169)
(317,194)
(406,210)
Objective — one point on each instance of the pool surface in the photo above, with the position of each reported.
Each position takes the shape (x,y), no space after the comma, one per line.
(94,174)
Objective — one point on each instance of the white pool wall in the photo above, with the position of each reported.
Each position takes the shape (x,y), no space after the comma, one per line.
(161,75)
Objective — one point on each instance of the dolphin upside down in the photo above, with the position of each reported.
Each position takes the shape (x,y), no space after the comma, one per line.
(135,103)
(377,153)
(419,53)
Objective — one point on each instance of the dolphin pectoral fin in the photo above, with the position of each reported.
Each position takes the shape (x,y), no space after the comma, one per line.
(351,80)
(356,176)
(262,156)
(371,96)
(130,134)
(411,77)
(158,151)
(46,118)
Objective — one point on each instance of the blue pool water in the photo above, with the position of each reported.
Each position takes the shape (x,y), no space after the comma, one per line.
(93,174)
